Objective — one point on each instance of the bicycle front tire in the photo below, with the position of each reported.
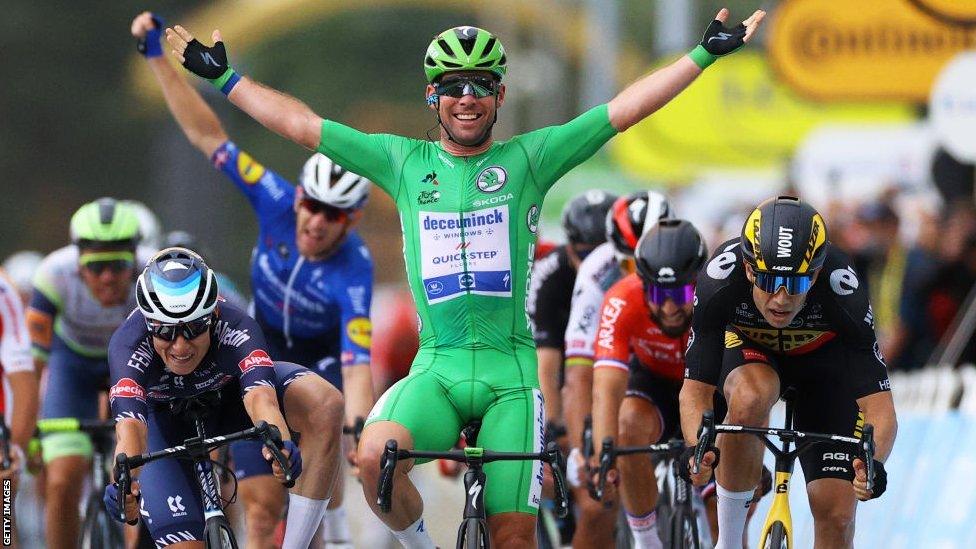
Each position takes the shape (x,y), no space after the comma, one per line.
(219,535)
(473,534)
(776,538)
(684,530)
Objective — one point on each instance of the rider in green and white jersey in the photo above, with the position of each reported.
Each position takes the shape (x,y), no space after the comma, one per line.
(469,208)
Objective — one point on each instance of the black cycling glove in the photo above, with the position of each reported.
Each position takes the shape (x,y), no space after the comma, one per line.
(210,62)
(880,480)
(718,40)
(684,469)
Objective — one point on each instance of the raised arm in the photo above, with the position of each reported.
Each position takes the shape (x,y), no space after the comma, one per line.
(280,113)
(197,120)
(650,93)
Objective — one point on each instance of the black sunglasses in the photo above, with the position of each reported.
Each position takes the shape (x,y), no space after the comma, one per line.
(189,330)
(331,212)
(114,265)
(478,86)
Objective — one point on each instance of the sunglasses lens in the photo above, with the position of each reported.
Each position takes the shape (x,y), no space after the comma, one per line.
(459,87)
(771,283)
(189,330)
(331,212)
(680,295)
(115,266)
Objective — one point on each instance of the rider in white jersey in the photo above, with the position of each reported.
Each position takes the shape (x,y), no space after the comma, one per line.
(608,263)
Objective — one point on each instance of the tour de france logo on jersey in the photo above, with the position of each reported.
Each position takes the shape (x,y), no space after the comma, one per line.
(492,179)
(532,219)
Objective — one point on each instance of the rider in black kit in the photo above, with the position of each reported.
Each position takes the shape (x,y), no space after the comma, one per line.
(781,307)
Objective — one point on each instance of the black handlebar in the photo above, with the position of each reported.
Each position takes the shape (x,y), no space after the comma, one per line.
(198,449)
(472,457)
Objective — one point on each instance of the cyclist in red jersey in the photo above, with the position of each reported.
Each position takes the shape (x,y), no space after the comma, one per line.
(640,361)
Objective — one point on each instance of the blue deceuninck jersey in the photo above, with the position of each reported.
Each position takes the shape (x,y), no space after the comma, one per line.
(303,304)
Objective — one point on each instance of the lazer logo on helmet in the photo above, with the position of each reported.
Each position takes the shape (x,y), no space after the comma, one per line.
(257,358)
(784,242)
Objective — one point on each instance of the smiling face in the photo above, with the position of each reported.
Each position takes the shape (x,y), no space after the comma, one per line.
(671,318)
(778,308)
(467,119)
(182,355)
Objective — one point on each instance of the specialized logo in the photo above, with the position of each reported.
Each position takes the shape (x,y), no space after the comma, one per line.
(732,340)
(474,491)
(360,331)
(721,36)
(208,59)
(257,358)
(127,388)
(532,219)
(249,170)
(176,505)
(492,179)
(722,265)
(844,281)
(428,197)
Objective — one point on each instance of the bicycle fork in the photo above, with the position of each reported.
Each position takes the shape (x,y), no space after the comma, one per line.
(211,490)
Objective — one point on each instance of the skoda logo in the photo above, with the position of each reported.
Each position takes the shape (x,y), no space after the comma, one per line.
(492,179)
(434,287)
(532,219)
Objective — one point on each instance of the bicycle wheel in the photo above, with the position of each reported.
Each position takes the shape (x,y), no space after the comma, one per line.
(684,530)
(473,534)
(99,530)
(219,534)
(776,538)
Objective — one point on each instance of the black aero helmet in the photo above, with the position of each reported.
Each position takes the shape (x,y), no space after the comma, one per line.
(785,236)
(632,215)
(584,217)
(670,254)
(176,286)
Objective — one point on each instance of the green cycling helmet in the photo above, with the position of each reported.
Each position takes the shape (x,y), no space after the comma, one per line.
(105,223)
(464,49)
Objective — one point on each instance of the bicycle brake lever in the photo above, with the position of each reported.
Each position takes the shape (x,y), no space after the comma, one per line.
(867,442)
(272,439)
(557,465)
(706,438)
(606,459)
(388,465)
(124,481)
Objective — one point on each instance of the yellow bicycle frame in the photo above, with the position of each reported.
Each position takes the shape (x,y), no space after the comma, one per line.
(780,510)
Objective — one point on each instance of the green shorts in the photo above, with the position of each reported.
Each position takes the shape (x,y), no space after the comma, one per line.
(447,389)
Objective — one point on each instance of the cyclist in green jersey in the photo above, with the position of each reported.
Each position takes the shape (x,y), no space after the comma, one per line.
(469,209)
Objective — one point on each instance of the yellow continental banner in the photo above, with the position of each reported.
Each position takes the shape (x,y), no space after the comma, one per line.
(736,115)
(869,49)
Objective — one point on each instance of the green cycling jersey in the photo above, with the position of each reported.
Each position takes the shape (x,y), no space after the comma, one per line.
(470,223)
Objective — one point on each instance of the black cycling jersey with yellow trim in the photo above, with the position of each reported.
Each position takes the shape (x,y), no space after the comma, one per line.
(836,307)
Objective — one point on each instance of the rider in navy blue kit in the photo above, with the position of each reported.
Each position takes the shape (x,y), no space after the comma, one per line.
(311,274)
(183,342)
